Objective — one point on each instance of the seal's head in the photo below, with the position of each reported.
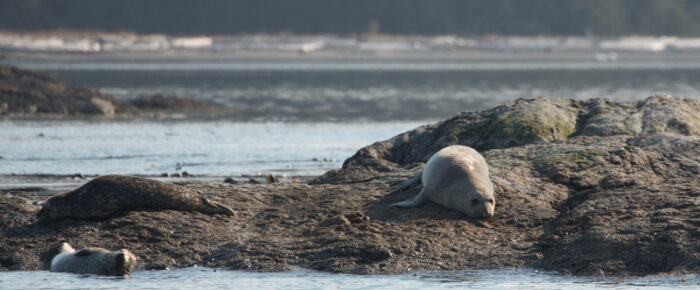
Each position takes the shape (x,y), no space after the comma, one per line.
(124,262)
(52,208)
(481,204)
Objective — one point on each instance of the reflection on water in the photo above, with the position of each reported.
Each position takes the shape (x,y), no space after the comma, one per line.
(212,148)
(208,278)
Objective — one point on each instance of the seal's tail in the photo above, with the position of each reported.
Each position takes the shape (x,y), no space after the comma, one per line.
(413,202)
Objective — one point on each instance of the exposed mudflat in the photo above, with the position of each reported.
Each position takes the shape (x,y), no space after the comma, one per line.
(583,187)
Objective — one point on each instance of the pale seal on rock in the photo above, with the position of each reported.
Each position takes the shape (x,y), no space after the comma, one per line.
(109,194)
(94,261)
(456,177)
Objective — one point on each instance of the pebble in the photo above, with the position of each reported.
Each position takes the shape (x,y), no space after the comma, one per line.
(271,179)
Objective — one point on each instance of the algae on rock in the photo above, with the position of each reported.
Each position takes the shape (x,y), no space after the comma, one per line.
(538,120)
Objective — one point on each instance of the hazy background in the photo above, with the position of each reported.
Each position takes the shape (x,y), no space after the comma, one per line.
(309,82)
(424,17)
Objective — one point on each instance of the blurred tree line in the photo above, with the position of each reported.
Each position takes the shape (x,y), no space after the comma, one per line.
(461,17)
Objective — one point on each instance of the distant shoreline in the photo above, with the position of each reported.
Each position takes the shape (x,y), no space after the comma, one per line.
(14,43)
(14,56)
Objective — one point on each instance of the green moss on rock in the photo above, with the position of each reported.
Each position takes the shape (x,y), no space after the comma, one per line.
(532,122)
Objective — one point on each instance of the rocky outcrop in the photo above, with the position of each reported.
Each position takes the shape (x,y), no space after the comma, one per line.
(26,93)
(614,185)
(583,187)
(32,93)
(534,121)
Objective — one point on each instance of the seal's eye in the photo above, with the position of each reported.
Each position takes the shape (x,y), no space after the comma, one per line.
(490,201)
(475,202)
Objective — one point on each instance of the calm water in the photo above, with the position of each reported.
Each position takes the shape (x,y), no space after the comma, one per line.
(290,111)
(382,90)
(207,278)
(201,147)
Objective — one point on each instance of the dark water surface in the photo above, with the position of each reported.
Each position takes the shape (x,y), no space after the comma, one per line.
(207,278)
(379,90)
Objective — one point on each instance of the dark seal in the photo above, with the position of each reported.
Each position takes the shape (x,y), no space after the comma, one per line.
(110,194)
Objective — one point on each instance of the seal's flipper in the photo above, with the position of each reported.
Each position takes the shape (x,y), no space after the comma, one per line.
(212,207)
(66,248)
(420,199)
(415,178)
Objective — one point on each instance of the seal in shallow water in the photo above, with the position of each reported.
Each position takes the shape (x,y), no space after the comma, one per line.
(456,177)
(93,261)
(109,194)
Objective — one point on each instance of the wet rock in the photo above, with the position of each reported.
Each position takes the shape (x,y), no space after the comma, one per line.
(337,220)
(666,114)
(24,92)
(607,118)
(28,92)
(356,217)
(270,179)
(99,106)
(18,203)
